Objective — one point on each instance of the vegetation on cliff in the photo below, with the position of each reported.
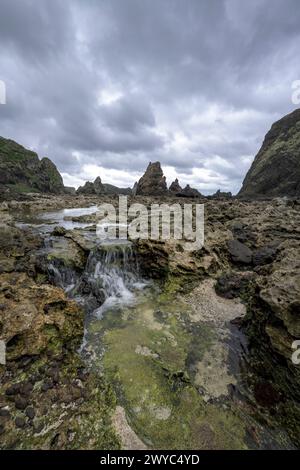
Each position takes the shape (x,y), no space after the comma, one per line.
(21,170)
(276,168)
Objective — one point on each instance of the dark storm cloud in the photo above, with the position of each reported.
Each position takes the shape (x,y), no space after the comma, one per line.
(34,29)
(108,85)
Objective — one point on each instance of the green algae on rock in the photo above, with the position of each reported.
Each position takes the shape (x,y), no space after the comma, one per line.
(156,388)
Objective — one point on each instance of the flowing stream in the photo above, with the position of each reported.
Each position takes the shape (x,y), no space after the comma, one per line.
(176,363)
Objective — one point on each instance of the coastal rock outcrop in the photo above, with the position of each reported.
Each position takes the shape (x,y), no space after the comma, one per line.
(112,189)
(175,187)
(153,182)
(21,170)
(221,195)
(177,190)
(96,187)
(275,170)
(189,192)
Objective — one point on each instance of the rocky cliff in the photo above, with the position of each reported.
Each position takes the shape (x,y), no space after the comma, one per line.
(21,170)
(153,182)
(175,187)
(276,168)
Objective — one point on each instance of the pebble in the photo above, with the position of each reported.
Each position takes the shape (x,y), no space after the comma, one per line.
(46,386)
(30,412)
(76,393)
(37,426)
(20,422)
(54,374)
(4,413)
(12,390)
(21,403)
(26,389)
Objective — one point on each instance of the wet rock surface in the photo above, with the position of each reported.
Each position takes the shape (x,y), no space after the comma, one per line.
(201,359)
(46,393)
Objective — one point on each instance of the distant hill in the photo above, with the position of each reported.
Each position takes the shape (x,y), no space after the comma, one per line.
(21,170)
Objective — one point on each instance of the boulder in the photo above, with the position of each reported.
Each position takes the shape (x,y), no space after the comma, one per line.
(281,292)
(244,233)
(36,318)
(239,253)
(264,255)
(16,247)
(233,284)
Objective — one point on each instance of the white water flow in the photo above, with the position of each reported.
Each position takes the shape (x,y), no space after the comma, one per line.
(112,277)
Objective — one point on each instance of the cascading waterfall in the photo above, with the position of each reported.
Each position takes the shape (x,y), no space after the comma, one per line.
(109,280)
(113,269)
(108,283)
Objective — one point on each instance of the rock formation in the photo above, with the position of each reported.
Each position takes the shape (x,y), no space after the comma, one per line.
(221,195)
(189,192)
(111,189)
(175,187)
(276,168)
(98,188)
(134,188)
(22,171)
(177,190)
(153,182)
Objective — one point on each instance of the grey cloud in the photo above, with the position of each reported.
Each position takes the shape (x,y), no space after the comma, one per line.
(199,82)
(129,113)
(36,30)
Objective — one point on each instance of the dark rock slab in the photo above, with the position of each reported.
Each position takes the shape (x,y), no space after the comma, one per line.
(239,253)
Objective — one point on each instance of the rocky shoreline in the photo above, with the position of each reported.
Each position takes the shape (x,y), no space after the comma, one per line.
(51,399)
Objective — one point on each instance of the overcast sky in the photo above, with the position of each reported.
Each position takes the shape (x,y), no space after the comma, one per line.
(102,87)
